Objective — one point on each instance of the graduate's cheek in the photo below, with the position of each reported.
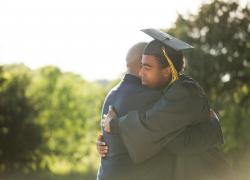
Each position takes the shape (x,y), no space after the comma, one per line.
(145,76)
(156,79)
(152,79)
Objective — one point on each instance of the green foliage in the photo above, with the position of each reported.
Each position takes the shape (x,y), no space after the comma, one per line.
(20,135)
(49,119)
(69,111)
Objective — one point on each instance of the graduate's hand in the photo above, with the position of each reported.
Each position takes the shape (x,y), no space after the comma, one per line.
(105,122)
(101,146)
(107,118)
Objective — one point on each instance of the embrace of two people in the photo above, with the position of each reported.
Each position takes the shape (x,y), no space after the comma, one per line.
(157,123)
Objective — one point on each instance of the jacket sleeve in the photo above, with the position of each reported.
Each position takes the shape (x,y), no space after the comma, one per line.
(146,133)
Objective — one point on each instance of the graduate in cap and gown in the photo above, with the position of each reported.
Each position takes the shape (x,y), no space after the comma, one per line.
(183,104)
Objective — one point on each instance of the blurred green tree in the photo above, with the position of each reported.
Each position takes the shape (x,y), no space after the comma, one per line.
(49,119)
(20,135)
(69,110)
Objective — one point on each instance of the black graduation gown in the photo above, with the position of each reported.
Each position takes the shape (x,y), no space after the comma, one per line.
(146,133)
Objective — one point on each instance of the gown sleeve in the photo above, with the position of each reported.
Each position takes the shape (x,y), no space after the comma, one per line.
(148,132)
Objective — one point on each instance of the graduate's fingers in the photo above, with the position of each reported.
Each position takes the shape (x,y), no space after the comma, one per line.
(111,109)
(103,122)
(104,125)
(106,117)
(111,113)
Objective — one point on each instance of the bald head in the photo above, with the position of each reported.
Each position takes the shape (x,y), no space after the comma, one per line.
(133,58)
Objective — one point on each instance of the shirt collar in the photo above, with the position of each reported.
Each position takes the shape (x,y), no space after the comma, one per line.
(131,78)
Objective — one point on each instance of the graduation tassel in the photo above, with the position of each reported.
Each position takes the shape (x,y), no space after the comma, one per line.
(171,65)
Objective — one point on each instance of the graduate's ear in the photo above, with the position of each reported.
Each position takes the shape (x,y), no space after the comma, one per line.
(166,72)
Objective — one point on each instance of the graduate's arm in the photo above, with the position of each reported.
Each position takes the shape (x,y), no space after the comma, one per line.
(146,133)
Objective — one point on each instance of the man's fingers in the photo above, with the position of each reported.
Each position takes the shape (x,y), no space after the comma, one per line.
(101,146)
(101,143)
(102,150)
(103,154)
(213,114)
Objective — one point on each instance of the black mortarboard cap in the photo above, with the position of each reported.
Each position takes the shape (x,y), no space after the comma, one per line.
(167,40)
(155,48)
(173,48)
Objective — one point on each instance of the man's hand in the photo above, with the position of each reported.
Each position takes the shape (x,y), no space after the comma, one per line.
(101,146)
(105,122)
(213,114)
(216,123)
